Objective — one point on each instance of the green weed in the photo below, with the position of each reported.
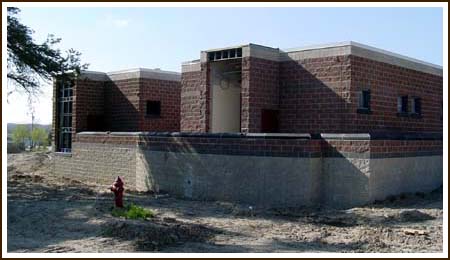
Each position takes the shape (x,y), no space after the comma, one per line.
(132,211)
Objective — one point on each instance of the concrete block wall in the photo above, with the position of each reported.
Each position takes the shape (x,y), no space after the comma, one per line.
(406,165)
(98,163)
(346,172)
(254,180)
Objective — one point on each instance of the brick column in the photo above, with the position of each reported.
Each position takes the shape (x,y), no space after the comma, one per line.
(260,90)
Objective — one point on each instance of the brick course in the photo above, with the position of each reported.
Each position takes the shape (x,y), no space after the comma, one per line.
(273,146)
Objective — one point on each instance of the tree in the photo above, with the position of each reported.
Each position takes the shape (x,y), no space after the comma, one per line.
(20,135)
(28,61)
(39,136)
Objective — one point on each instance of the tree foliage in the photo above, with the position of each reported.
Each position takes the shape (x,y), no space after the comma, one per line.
(28,61)
(20,135)
(39,136)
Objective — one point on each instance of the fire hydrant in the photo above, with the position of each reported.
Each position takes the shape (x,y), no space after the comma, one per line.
(117,188)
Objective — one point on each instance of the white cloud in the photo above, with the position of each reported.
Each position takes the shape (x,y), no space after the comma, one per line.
(113,21)
(120,23)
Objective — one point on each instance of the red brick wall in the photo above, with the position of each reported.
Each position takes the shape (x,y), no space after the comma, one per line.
(260,90)
(168,93)
(386,83)
(122,105)
(276,146)
(315,95)
(384,148)
(55,120)
(107,139)
(320,95)
(194,104)
(88,100)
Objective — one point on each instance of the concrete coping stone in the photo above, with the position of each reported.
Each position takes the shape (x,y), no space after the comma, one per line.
(109,133)
(63,154)
(230,135)
(363,136)
(326,50)
(204,135)
(143,73)
(326,136)
(384,136)
(279,135)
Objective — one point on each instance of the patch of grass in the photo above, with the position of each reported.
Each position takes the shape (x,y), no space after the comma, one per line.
(132,211)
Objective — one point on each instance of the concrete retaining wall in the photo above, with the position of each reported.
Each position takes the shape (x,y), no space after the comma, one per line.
(256,180)
(342,174)
(390,176)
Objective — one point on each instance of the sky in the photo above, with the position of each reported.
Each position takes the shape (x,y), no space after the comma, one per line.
(121,38)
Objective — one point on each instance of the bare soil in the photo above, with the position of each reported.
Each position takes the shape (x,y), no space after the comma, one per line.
(56,214)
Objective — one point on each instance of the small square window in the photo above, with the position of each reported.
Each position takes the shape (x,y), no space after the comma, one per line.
(154,108)
(364,101)
(416,106)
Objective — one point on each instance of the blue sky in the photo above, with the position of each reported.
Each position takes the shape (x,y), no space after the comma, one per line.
(120,38)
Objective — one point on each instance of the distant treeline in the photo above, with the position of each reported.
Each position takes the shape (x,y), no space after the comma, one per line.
(12,126)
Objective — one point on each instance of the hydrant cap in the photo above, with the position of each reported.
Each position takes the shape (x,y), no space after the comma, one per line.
(118,181)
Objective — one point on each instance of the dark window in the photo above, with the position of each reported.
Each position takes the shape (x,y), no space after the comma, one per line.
(402,104)
(269,121)
(95,123)
(416,106)
(364,101)
(239,52)
(224,54)
(64,118)
(232,53)
(154,108)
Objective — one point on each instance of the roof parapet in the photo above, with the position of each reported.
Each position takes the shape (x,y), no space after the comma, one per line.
(324,50)
(131,74)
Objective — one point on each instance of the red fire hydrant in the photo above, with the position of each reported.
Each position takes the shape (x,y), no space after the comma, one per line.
(117,188)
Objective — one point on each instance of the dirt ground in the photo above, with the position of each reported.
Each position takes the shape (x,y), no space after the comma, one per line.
(53,214)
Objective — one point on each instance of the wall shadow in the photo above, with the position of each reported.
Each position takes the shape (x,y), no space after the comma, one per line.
(121,106)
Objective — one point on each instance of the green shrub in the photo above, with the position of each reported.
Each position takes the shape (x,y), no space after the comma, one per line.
(132,211)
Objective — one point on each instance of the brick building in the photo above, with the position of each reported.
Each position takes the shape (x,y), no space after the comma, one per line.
(339,124)
(339,88)
(124,101)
